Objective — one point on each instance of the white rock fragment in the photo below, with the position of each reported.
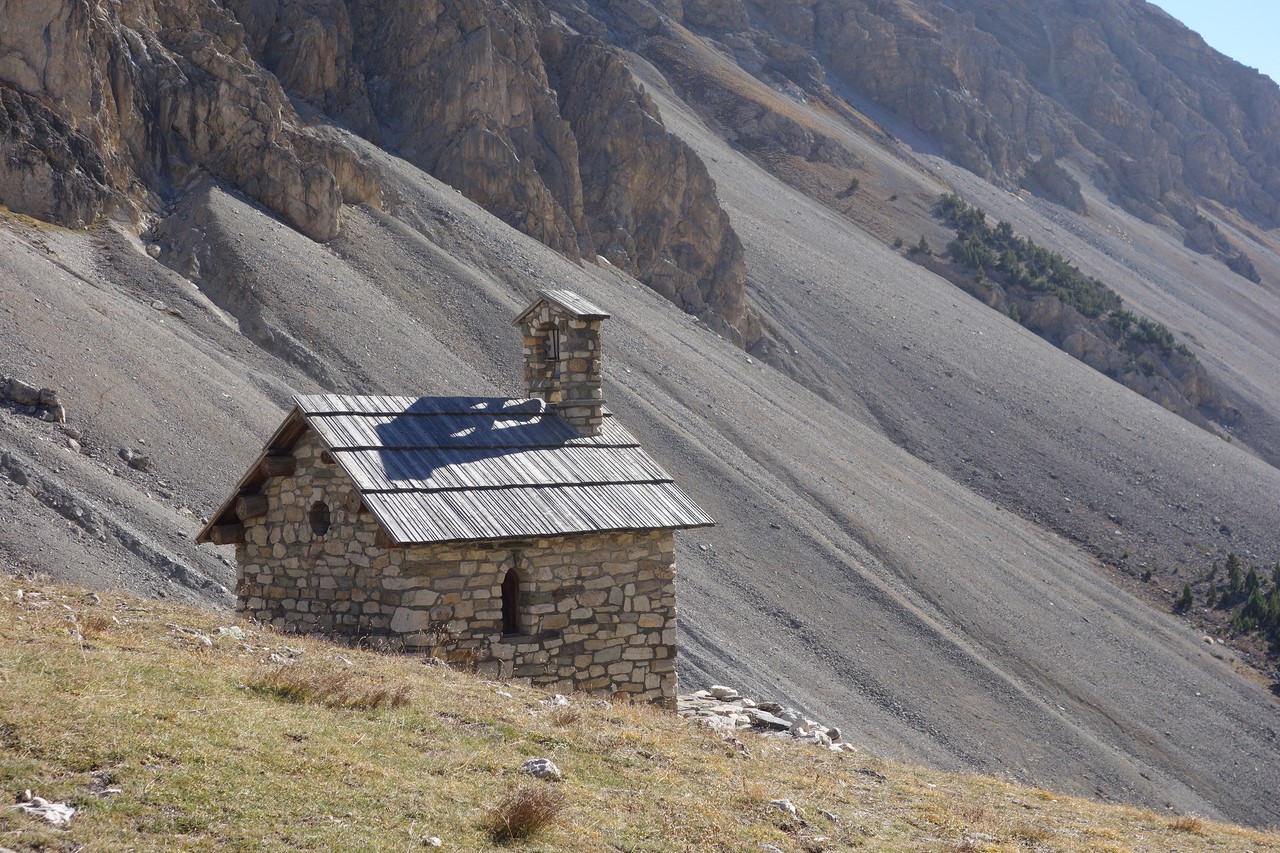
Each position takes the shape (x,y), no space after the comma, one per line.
(724,710)
(784,805)
(58,814)
(542,768)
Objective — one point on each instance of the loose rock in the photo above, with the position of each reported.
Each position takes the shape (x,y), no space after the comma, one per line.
(725,709)
(137,460)
(58,814)
(784,805)
(542,768)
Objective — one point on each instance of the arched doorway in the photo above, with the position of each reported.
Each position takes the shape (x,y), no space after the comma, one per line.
(511,603)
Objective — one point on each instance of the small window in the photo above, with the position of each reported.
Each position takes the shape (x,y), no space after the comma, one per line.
(511,603)
(320,518)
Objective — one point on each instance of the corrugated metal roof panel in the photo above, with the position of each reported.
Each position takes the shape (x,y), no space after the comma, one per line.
(517,513)
(432,469)
(326,404)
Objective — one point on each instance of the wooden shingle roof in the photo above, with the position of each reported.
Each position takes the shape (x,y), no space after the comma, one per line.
(446,469)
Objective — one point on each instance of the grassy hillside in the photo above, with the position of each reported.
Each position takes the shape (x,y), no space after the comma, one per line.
(168,728)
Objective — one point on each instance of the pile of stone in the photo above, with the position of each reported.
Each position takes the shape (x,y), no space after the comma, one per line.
(724,709)
(42,403)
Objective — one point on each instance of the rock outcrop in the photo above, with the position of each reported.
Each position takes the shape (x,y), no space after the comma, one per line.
(118,109)
(51,171)
(1001,85)
(1007,89)
(650,204)
(138,98)
(43,403)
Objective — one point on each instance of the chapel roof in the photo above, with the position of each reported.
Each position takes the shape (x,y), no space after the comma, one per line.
(453,469)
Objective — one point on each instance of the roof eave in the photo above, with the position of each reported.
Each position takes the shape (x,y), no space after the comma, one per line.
(288,433)
(497,539)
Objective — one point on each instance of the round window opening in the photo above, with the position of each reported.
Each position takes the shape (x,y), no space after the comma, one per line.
(320,518)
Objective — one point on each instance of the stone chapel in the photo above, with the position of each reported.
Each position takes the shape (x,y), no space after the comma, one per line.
(532,538)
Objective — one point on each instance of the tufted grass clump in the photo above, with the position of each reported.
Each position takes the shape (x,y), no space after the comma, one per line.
(333,688)
(523,812)
(1187,823)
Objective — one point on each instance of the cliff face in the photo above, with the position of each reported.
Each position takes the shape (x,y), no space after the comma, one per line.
(462,89)
(1134,96)
(116,107)
(135,99)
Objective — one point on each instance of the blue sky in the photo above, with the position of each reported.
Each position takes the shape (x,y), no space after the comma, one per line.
(1248,31)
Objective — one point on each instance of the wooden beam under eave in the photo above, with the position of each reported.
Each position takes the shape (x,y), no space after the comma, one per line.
(382,540)
(278,466)
(251,506)
(226,534)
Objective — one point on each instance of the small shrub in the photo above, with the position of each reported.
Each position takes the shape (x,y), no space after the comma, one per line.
(94,624)
(523,812)
(331,688)
(1031,833)
(1185,599)
(898,242)
(564,716)
(1187,823)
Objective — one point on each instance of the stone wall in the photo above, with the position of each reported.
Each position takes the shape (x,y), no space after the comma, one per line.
(597,612)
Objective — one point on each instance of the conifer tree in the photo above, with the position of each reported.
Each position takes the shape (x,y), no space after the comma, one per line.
(1234,578)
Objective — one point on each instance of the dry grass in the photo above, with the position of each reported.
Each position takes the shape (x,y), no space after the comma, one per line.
(1187,823)
(564,716)
(523,812)
(152,701)
(331,687)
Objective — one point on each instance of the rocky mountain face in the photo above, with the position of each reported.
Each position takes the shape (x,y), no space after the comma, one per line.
(1138,99)
(488,97)
(1011,90)
(135,100)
